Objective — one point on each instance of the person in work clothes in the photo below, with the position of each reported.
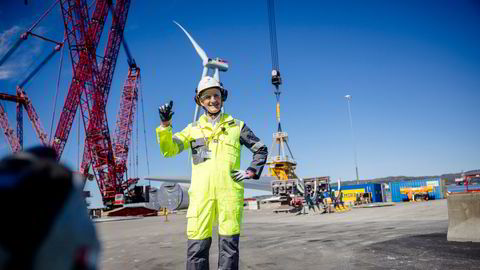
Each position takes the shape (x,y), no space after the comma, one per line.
(216,190)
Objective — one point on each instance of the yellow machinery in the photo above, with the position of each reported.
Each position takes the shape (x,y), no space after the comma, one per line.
(417,193)
(355,196)
(281,166)
(331,206)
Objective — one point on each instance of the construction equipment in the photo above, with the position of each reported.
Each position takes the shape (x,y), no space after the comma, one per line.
(124,125)
(103,159)
(319,188)
(13,141)
(417,193)
(280,165)
(333,200)
(21,99)
(471,178)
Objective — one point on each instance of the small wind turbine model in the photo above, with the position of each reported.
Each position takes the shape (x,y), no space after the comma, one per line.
(214,65)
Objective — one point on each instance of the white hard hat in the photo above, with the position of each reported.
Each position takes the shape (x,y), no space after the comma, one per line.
(208,82)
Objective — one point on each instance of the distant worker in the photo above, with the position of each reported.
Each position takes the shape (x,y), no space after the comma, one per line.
(43,203)
(315,199)
(216,190)
(312,200)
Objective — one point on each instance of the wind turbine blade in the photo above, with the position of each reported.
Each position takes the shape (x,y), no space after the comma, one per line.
(197,47)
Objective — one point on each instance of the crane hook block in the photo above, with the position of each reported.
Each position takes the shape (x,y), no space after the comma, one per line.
(276,79)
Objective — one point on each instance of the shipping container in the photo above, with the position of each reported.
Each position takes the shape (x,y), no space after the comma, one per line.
(437,184)
(350,191)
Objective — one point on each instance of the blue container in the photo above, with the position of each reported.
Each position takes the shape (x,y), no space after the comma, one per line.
(435,182)
(374,188)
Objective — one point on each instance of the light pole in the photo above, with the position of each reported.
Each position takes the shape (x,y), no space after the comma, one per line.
(349,98)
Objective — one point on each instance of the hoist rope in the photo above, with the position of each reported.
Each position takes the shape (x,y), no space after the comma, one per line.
(144,132)
(136,157)
(56,93)
(273,35)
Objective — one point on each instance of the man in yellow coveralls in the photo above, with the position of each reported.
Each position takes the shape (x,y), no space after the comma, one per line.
(216,191)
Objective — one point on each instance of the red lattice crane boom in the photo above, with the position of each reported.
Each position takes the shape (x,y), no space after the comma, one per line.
(22,100)
(90,87)
(8,131)
(82,44)
(98,139)
(33,116)
(125,116)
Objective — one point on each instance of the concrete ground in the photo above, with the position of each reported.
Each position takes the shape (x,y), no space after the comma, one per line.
(404,236)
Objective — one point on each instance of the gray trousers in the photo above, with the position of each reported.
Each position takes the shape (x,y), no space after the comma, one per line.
(198,252)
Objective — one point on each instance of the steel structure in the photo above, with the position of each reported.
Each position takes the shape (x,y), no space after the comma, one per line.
(13,140)
(22,101)
(21,98)
(89,90)
(32,115)
(123,130)
(83,39)
(280,165)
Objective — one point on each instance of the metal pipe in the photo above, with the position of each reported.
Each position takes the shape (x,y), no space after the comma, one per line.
(24,35)
(43,16)
(46,39)
(56,92)
(289,150)
(130,60)
(349,98)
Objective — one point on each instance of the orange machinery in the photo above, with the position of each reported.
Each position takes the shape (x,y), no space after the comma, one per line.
(415,193)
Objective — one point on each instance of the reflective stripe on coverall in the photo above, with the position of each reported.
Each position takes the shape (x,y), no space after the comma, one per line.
(213,194)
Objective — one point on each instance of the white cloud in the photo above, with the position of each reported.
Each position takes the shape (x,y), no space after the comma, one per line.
(7,38)
(5,74)
(18,63)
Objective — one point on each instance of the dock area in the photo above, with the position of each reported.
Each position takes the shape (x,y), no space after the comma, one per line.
(402,236)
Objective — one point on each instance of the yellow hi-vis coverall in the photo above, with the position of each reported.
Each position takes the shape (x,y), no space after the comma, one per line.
(213,194)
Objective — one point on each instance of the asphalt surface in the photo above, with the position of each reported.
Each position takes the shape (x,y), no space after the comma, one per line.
(404,236)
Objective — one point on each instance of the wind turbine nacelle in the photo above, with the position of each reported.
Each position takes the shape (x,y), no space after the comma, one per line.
(215,63)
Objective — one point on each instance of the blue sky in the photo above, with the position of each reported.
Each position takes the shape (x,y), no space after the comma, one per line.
(412,67)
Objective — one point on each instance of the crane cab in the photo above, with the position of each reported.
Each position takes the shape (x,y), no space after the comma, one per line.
(119,199)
